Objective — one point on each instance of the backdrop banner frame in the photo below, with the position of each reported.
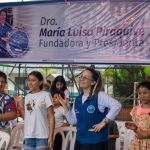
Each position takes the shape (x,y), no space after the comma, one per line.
(76,32)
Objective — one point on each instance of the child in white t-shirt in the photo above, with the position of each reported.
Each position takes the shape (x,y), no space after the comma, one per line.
(60,119)
(38,114)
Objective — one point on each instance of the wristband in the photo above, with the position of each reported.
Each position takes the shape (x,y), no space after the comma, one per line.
(104,121)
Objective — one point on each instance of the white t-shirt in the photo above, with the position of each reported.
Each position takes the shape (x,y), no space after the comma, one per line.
(67,94)
(59,116)
(36,123)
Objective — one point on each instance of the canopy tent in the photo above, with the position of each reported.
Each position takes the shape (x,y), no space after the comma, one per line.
(77,32)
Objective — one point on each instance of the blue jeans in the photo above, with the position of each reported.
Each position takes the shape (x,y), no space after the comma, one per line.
(35,143)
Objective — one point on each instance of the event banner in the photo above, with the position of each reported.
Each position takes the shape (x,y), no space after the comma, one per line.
(76,32)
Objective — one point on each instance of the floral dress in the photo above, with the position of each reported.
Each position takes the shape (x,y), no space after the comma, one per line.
(141,117)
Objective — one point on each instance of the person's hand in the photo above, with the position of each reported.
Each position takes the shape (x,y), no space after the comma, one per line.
(6,39)
(62,101)
(131,126)
(18,100)
(98,127)
(142,134)
(50,143)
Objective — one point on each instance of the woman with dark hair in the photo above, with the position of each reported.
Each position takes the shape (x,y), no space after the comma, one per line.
(90,112)
(38,114)
(5,29)
(59,84)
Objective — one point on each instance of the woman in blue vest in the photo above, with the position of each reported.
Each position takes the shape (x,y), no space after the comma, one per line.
(90,112)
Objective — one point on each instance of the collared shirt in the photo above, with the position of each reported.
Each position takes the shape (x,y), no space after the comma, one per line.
(104,101)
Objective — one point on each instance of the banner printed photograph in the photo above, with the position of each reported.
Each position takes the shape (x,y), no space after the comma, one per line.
(76,32)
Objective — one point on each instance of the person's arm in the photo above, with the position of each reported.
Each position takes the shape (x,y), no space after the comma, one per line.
(105,101)
(64,118)
(142,134)
(67,95)
(19,101)
(111,103)
(70,115)
(65,122)
(8,116)
(113,136)
(51,126)
(114,133)
(9,111)
(131,126)
(21,111)
(5,39)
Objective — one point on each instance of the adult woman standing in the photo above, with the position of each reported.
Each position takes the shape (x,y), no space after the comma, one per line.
(90,112)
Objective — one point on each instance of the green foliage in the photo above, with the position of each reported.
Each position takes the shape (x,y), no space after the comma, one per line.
(47,71)
(123,78)
(147,70)
(109,72)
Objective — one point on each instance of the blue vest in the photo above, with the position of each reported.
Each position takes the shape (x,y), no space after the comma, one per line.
(88,115)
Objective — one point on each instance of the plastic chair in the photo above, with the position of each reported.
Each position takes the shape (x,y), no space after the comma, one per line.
(17,137)
(120,140)
(128,137)
(68,134)
(125,137)
(120,145)
(4,140)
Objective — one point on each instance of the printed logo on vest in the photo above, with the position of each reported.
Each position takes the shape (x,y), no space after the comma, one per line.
(90,109)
